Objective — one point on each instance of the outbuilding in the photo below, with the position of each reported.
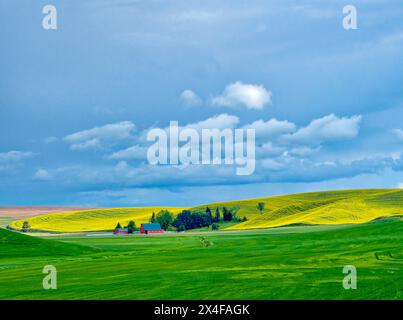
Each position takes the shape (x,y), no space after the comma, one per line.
(149,228)
(118,231)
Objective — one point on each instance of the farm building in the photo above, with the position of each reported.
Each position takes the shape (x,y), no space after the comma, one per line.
(118,231)
(148,228)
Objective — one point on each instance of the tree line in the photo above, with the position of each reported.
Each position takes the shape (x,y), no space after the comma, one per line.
(187,220)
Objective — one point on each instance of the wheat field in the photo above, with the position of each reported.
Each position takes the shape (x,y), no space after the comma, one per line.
(315,208)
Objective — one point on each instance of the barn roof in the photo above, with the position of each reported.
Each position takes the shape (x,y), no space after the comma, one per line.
(151,226)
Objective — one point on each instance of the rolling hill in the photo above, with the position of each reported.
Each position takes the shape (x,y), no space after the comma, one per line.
(17,245)
(317,208)
(91,220)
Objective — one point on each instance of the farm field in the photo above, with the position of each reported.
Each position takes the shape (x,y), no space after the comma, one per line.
(303,262)
(20,212)
(323,208)
(91,220)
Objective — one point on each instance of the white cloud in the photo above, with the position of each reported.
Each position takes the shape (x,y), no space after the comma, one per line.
(42,175)
(239,94)
(328,128)
(272,165)
(15,155)
(190,99)
(95,138)
(135,152)
(303,151)
(221,121)
(269,150)
(400,185)
(270,128)
(399,134)
(89,144)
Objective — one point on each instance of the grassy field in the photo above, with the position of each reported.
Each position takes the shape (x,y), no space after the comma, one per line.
(302,262)
(331,207)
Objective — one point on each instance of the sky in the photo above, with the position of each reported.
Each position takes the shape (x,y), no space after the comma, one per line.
(77,102)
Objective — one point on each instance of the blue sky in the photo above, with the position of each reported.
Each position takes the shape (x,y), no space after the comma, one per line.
(75,102)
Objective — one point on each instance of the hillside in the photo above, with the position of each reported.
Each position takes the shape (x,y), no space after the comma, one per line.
(91,220)
(14,245)
(329,207)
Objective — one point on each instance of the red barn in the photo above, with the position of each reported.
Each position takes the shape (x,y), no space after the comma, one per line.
(118,231)
(149,228)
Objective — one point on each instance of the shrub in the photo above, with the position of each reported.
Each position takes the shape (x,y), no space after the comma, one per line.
(206,242)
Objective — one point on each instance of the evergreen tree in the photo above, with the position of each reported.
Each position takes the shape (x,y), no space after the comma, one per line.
(217,217)
(118,226)
(227,215)
(153,219)
(209,216)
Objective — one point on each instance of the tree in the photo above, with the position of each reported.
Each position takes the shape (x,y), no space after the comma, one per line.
(209,216)
(227,215)
(217,217)
(214,227)
(164,218)
(188,220)
(245,218)
(118,226)
(260,207)
(183,220)
(25,226)
(153,220)
(131,227)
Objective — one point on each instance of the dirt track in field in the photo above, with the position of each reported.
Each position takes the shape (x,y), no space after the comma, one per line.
(26,212)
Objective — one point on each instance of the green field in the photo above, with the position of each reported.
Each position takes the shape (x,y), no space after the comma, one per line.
(282,263)
(331,207)
(295,249)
